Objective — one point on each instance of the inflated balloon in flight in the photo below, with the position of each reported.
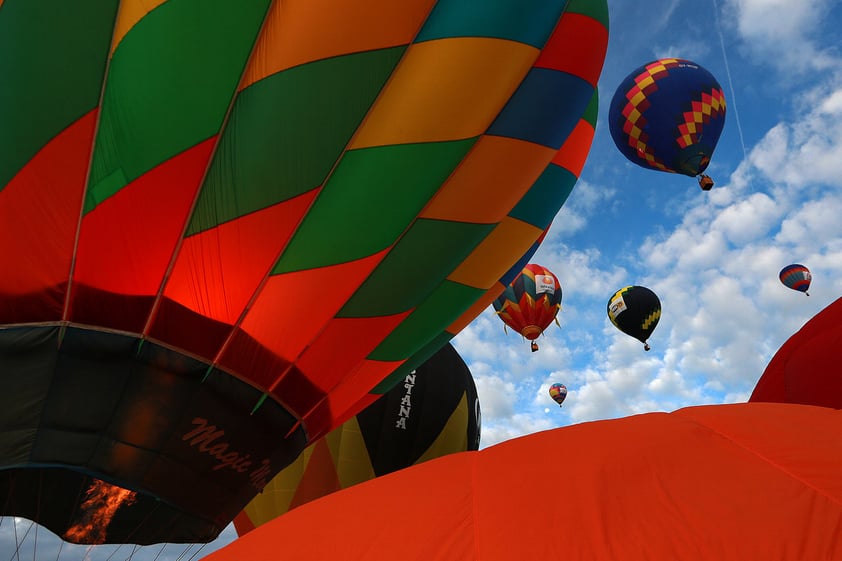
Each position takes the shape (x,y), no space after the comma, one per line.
(208,264)
(635,310)
(667,115)
(530,303)
(797,277)
(558,392)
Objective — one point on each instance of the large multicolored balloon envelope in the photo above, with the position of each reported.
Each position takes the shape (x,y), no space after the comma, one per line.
(225,223)
(725,482)
(805,369)
(667,115)
(531,302)
(435,411)
(635,310)
(552,188)
(797,277)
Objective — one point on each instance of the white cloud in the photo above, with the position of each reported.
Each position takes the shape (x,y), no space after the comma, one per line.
(810,150)
(813,223)
(518,425)
(496,395)
(781,19)
(585,199)
(748,219)
(580,269)
(781,33)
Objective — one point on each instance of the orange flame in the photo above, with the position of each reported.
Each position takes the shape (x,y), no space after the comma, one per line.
(101,503)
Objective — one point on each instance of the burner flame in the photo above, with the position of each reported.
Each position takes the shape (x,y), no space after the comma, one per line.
(102,500)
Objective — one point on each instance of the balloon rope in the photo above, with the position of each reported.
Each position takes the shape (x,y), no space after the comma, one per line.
(60,547)
(16,553)
(197,552)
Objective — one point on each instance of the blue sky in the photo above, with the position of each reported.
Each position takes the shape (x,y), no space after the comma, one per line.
(713,258)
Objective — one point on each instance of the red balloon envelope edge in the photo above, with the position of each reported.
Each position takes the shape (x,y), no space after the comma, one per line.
(806,368)
(724,482)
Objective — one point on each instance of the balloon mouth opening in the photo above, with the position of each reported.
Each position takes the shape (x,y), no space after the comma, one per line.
(693,160)
(190,407)
(531,332)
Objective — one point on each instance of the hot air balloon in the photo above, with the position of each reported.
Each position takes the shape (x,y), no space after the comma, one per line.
(558,392)
(725,482)
(797,277)
(667,115)
(805,369)
(207,265)
(531,302)
(635,310)
(433,412)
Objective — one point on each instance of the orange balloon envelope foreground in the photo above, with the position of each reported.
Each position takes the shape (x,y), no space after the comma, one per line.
(224,223)
(806,368)
(723,482)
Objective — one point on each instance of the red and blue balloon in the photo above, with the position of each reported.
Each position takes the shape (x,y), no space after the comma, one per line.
(667,115)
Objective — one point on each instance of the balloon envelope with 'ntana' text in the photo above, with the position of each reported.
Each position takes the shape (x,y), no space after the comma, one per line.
(432,412)
(225,223)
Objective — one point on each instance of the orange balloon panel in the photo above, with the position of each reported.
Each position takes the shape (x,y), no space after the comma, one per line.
(806,368)
(724,482)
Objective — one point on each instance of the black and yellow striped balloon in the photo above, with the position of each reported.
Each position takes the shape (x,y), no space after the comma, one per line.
(635,310)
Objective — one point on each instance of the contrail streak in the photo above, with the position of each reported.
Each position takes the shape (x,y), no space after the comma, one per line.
(733,101)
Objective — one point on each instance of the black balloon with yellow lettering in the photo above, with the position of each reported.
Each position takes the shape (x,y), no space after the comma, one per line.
(635,310)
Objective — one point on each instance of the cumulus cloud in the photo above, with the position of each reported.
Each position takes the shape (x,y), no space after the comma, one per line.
(781,33)
(748,219)
(767,19)
(585,199)
(807,154)
(581,269)
(496,395)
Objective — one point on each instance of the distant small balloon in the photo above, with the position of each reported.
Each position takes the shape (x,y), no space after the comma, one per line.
(797,277)
(558,392)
